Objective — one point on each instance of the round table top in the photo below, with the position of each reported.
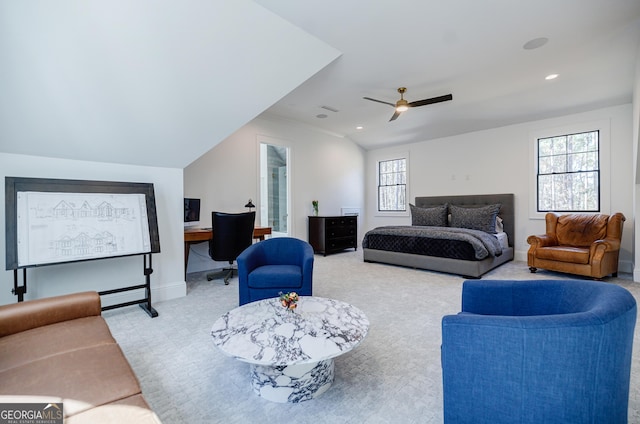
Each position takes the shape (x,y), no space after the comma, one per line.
(265,333)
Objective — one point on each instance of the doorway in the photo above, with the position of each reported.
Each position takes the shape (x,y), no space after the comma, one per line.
(274,188)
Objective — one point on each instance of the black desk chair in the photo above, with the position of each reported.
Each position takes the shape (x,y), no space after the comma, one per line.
(232,233)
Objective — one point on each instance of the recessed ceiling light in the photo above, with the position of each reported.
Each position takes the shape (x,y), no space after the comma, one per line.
(359,127)
(551,76)
(535,43)
(321,116)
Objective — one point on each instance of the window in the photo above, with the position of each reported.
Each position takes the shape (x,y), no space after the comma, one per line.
(392,185)
(569,173)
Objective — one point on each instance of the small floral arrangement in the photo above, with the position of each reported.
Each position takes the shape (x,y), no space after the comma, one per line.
(314,203)
(289,300)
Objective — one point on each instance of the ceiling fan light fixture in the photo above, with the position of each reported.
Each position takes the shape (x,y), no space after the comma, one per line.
(402,105)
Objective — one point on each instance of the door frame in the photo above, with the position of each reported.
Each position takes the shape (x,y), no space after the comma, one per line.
(262,139)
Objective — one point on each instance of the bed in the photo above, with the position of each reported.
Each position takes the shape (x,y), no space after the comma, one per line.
(445,247)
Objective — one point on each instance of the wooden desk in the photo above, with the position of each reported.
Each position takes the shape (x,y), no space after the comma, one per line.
(198,235)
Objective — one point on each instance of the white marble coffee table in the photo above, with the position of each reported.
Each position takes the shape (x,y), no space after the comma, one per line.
(291,353)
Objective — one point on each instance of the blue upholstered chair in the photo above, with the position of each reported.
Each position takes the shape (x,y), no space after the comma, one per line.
(545,351)
(281,264)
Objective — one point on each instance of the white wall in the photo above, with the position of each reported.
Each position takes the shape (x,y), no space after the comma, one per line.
(167,280)
(636,163)
(326,168)
(498,161)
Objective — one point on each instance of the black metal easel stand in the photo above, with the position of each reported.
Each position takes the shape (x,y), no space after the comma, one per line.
(19,290)
(145,303)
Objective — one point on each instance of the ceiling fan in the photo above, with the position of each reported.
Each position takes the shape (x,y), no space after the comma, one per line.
(402,105)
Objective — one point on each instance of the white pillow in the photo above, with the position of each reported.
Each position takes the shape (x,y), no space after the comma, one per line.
(499,226)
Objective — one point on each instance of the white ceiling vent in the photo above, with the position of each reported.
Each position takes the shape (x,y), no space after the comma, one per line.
(329,108)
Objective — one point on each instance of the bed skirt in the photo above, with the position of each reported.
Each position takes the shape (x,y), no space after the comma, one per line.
(468,269)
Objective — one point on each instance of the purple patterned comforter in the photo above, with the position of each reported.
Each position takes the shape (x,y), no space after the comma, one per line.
(446,242)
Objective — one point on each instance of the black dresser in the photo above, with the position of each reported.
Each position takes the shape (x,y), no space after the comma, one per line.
(331,234)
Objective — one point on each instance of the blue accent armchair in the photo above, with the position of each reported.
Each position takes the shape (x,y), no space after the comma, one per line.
(543,351)
(281,264)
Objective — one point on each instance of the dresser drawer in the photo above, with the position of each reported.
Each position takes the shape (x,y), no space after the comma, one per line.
(341,231)
(341,221)
(341,243)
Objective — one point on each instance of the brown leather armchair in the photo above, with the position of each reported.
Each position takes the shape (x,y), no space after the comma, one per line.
(578,244)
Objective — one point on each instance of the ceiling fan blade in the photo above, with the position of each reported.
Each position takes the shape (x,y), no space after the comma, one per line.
(432,100)
(379,101)
(395,116)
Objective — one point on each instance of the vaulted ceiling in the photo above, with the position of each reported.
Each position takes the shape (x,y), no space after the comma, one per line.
(160,82)
(471,49)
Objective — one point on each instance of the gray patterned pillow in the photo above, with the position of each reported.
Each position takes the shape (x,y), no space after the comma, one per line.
(434,217)
(483,219)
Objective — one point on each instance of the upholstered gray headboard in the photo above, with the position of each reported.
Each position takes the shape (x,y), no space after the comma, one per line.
(507,211)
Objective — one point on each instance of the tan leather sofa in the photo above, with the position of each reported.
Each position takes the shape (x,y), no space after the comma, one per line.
(60,349)
(579,244)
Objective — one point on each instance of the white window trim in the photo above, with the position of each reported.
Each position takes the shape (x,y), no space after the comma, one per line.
(604,127)
(387,157)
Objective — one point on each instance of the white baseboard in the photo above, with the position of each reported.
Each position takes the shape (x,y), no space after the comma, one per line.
(169,291)
(627,268)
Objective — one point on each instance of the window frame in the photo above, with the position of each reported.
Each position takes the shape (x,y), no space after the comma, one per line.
(374,178)
(379,186)
(604,128)
(566,154)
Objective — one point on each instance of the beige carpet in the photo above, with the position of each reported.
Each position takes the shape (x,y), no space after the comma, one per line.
(393,376)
